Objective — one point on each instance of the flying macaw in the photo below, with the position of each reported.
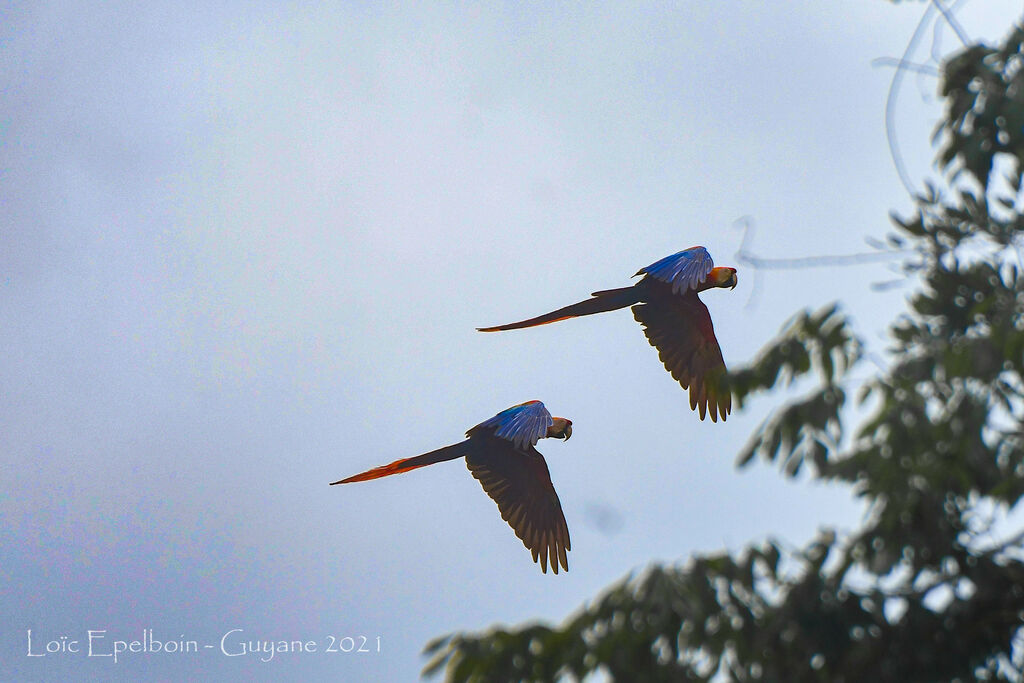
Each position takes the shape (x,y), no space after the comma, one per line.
(501,455)
(675,320)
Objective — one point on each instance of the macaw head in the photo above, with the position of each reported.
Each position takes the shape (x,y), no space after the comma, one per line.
(561,428)
(722,276)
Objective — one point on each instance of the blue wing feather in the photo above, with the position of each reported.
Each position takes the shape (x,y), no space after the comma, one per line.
(523,425)
(683,270)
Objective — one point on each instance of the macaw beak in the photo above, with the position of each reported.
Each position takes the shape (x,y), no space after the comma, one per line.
(564,433)
(735,280)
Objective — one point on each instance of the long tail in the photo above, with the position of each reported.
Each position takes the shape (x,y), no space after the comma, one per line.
(452,452)
(605,300)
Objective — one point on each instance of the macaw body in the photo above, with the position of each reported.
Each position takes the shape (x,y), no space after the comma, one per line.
(675,320)
(500,453)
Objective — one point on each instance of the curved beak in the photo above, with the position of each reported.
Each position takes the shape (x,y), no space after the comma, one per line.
(568,431)
(735,281)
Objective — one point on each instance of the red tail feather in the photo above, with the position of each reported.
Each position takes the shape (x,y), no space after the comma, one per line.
(405,464)
(605,300)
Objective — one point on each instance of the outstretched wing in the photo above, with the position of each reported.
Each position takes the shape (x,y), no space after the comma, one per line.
(684,270)
(523,425)
(517,479)
(680,328)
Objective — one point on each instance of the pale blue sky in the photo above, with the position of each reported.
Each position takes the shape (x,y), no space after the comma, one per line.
(244,248)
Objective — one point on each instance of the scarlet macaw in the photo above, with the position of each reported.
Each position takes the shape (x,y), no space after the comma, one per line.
(675,320)
(501,455)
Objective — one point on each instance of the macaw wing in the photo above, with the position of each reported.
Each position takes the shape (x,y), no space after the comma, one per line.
(523,425)
(680,328)
(684,270)
(519,482)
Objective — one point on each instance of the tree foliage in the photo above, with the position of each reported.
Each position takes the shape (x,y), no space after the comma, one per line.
(926,588)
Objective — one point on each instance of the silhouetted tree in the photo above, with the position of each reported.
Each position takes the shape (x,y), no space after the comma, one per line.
(926,589)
